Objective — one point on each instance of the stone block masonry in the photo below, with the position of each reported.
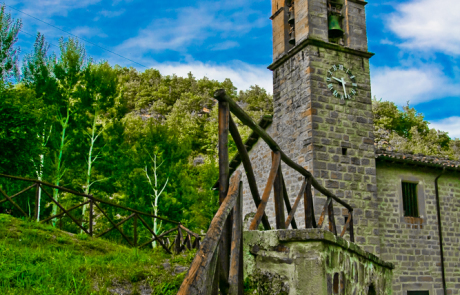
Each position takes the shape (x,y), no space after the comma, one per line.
(414,248)
(311,262)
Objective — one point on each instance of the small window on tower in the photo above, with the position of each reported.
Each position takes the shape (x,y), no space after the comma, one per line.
(418,293)
(410,204)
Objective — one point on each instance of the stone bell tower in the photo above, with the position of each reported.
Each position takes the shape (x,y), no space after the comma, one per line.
(322,104)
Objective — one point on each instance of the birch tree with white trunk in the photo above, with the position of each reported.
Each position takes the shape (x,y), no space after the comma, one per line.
(157,189)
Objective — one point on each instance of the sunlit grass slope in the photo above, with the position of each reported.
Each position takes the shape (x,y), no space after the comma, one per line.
(39,259)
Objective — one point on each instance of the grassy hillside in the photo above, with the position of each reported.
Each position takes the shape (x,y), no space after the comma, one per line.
(39,259)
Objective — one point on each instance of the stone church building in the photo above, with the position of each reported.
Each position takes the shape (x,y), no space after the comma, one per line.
(406,206)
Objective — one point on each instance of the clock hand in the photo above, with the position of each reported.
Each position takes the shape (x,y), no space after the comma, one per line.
(337,79)
(344,89)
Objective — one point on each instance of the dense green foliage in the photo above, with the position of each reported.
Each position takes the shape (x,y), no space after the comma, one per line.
(407,131)
(114,132)
(9,30)
(39,259)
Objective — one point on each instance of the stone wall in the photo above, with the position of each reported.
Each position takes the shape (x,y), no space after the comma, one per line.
(311,262)
(414,246)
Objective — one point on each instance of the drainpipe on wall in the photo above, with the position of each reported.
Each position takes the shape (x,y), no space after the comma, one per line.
(438,207)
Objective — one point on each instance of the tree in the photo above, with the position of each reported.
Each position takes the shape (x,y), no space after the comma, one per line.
(157,189)
(100,90)
(407,130)
(69,71)
(18,121)
(9,30)
(38,75)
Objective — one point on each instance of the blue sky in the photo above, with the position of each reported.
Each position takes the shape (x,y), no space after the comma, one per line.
(416,42)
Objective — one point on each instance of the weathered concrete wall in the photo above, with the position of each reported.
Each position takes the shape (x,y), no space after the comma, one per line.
(311,261)
(413,245)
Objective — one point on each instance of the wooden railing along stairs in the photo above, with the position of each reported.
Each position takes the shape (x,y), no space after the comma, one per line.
(218,264)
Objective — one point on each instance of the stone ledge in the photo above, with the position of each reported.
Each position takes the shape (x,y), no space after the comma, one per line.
(316,234)
(319,43)
(364,3)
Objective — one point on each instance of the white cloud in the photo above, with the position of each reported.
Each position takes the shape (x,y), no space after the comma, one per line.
(412,84)
(194,25)
(47,8)
(113,13)
(428,25)
(88,32)
(242,75)
(451,125)
(225,45)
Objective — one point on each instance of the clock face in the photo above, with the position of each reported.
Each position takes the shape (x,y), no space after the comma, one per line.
(341,82)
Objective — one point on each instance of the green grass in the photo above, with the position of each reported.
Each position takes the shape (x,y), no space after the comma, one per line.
(39,259)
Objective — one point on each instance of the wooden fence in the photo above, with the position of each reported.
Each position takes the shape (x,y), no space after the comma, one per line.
(184,238)
(217,266)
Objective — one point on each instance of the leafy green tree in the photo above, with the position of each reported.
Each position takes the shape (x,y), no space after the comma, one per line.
(69,71)
(389,117)
(407,130)
(256,101)
(38,76)
(97,97)
(9,30)
(18,121)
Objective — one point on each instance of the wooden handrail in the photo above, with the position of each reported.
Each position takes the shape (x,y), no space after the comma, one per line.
(64,210)
(17,194)
(248,168)
(288,203)
(63,213)
(189,231)
(199,277)
(14,203)
(113,227)
(296,203)
(80,194)
(221,96)
(268,188)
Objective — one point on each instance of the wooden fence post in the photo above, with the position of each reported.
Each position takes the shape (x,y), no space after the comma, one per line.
(330,213)
(235,279)
(91,209)
(178,241)
(135,230)
(224,255)
(37,202)
(310,221)
(279,200)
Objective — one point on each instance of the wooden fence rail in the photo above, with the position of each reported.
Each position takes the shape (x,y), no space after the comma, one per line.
(191,239)
(203,276)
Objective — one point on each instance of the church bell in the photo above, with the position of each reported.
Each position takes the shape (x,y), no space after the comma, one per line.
(335,31)
(292,39)
(291,18)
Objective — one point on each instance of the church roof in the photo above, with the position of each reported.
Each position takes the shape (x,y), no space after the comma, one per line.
(381,154)
(416,159)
